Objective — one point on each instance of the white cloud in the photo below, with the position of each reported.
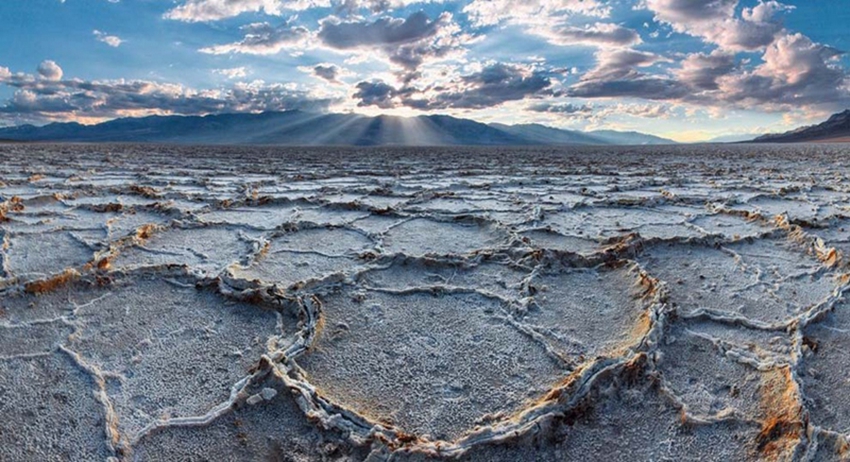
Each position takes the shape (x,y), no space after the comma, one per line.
(646,110)
(795,72)
(39,98)
(597,114)
(111,40)
(232,73)
(49,70)
(264,39)
(214,10)
(715,21)
(598,34)
(616,64)
(702,71)
(488,86)
(385,31)
(406,44)
(422,60)
(531,12)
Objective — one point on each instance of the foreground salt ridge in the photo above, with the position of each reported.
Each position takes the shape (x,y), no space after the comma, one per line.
(295,306)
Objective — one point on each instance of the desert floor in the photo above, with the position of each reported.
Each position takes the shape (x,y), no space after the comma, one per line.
(176,303)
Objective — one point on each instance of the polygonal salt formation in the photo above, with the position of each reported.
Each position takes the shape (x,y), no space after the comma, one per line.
(433,365)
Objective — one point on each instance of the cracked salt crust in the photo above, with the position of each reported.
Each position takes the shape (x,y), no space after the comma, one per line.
(259,304)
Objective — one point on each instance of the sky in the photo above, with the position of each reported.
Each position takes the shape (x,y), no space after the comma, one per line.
(690,70)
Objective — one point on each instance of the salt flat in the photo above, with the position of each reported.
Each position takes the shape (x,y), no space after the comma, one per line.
(654,303)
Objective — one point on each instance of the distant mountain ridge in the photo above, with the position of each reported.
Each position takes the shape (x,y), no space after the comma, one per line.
(737,138)
(836,127)
(541,134)
(298,128)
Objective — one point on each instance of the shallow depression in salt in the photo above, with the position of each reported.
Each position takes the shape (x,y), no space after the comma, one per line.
(163,303)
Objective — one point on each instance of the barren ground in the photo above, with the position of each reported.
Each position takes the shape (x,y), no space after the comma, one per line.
(683,303)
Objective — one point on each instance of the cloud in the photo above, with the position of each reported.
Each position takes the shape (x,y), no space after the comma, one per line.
(645,87)
(327,72)
(645,111)
(599,34)
(376,93)
(551,19)
(40,99)
(376,6)
(686,11)
(702,71)
(492,86)
(715,21)
(561,108)
(384,31)
(597,114)
(232,73)
(530,12)
(407,43)
(426,60)
(49,70)
(264,39)
(215,10)
(617,74)
(618,64)
(111,40)
(795,72)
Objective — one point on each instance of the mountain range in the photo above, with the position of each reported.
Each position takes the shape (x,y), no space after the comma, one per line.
(298,128)
(836,128)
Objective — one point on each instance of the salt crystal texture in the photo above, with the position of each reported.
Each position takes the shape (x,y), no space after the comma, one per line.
(657,303)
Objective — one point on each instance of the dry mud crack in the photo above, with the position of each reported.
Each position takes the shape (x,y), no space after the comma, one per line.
(248,304)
